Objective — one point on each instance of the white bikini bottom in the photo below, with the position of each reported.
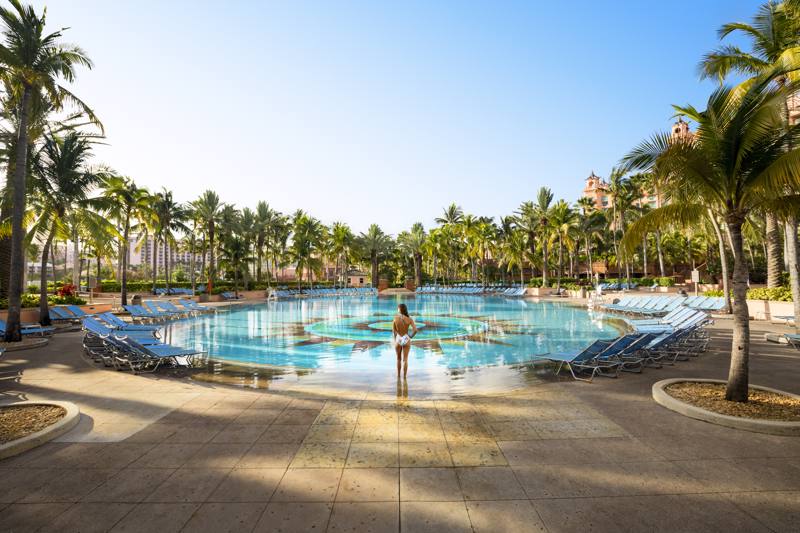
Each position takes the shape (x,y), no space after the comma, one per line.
(402,340)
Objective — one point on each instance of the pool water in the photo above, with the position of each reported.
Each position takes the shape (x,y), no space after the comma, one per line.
(354,334)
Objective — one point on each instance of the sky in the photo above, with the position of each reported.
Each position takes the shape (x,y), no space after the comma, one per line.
(384,112)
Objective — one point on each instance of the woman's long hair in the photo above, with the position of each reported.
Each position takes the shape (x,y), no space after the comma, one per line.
(403,309)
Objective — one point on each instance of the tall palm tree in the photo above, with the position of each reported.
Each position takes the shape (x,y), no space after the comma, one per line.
(265,217)
(412,242)
(33,62)
(514,250)
(375,244)
(563,219)
(209,210)
(342,240)
(62,182)
(125,202)
(534,218)
(737,163)
(774,36)
(171,217)
(234,256)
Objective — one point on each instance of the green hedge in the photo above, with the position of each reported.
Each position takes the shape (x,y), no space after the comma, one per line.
(775,294)
(32,300)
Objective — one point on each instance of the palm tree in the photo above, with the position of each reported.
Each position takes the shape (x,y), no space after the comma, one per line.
(374,245)
(534,218)
(234,256)
(209,208)
(514,250)
(774,36)
(342,240)
(170,217)
(33,62)
(265,218)
(307,236)
(125,202)
(737,163)
(62,182)
(562,221)
(412,243)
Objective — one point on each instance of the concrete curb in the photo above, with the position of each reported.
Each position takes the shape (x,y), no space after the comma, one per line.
(69,421)
(16,347)
(773,427)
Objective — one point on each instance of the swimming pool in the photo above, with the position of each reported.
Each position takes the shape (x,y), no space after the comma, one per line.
(354,334)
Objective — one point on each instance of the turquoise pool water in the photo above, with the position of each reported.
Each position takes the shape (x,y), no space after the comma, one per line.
(354,334)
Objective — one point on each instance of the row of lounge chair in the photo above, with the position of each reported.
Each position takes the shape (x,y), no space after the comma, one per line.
(618,286)
(176,291)
(325,293)
(131,346)
(29,329)
(650,345)
(166,310)
(661,305)
(471,289)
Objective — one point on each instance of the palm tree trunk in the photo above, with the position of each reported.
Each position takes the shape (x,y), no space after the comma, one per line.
(545,261)
(124,260)
(211,267)
(17,270)
(774,259)
(660,254)
(192,261)
(560,262)
(44,312)
(588,259)
(738,376)
(723,262)
(76,259)
(155,263)
(644,256)
(794,266)
(374,259)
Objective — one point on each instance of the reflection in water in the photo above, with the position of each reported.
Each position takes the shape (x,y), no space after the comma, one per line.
(467,344)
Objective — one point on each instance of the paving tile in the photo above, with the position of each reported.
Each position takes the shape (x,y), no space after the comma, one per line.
(257,417)
(167,455)
(286,517)
(89,517)
(424,454)
(421,433)
(239,433)
(368,484)
(248,485)
(268,455)
(372,455)
(373,416)
(75,455)
(510,516)
(161,517)
(489,483)
(722,475)
(19,482)
(434,517)
(297,417)
(330,433)
(284,433)
(129,485)
(213,455)
(366,517)
(308,485)
(187,485)
(69,485)
(225,517)
(307,403)
(477,454)
(376,433)
(29,517)
(429,484)
(194,434)
(155,433)
(321,455)
(779,511)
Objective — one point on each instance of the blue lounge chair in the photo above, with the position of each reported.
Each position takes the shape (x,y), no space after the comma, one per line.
(77,311)
(583,360)
(118,324)
(94,326)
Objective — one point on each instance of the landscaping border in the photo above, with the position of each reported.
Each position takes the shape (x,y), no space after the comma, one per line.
(69,421)
(773,427)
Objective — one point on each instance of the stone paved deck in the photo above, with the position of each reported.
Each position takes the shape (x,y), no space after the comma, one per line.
(160,454)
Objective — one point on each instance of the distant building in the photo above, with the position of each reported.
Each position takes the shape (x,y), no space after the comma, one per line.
(597,189)
(357,278)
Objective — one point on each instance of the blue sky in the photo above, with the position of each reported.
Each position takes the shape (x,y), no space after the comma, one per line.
(385,112)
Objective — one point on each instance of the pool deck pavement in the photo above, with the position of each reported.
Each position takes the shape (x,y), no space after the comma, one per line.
(153,453)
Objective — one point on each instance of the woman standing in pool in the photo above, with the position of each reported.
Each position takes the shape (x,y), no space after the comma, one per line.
(400,337)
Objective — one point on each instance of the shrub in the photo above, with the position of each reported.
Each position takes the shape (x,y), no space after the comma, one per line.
(775,294)
(67,290)
(665,282)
